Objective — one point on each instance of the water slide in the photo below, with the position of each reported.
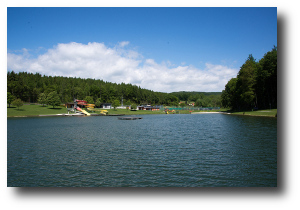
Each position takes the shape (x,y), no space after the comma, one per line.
(83,111)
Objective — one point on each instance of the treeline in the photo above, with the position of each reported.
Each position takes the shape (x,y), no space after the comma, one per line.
(28,87)
(204,99)
(255,85)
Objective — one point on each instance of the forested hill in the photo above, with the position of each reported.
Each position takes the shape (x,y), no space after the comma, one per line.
(204,99)
(193,95)
(255,85)
(28,87)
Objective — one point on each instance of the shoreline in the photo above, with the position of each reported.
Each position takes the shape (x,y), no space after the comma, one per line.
(250,115)
(65,115)
(48,111)
(230,113)
(206,113)
(83,115)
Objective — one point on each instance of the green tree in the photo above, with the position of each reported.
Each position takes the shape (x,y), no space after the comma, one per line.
(198,102)
(215,100)
(17,102)
(255,85)
(206,102)
(98,102)
(228,96)
(42,99)
(266,77)
(53,99)
(10,98)
(35,94)
(116,103)
(133,106)
(78,93)
(182,104)
(89,99)
(95,91)
(246,81)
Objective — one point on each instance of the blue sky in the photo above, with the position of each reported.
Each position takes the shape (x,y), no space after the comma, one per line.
(162,49)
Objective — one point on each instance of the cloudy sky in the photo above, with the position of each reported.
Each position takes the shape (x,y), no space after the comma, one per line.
(161,49)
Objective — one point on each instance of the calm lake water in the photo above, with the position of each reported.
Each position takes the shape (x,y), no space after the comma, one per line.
(204,150)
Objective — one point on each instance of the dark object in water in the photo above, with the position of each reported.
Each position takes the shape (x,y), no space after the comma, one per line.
(129,118)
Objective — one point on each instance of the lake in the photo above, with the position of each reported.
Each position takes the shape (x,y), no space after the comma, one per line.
(192,150)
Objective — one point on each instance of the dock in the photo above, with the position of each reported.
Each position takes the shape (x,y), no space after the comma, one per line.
(129,118)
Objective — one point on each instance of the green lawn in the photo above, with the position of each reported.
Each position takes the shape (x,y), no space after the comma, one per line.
(35,110)
(266,112)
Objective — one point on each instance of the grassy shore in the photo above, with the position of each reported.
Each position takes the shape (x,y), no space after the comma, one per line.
(264,113)
(36,110)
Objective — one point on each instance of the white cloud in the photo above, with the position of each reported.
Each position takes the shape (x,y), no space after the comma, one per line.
(95,60)
(123,44)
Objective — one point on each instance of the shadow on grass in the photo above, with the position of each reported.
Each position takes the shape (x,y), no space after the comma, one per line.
(12,107)
(20,109)
(55,108)
(227,111)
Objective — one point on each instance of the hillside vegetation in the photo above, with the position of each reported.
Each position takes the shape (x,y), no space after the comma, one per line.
(32,88)
(29,86)
(255,86)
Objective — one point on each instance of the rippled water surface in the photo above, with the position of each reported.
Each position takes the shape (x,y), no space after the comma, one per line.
(207,150)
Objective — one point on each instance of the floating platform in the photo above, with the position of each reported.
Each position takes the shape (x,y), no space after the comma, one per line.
(129,118)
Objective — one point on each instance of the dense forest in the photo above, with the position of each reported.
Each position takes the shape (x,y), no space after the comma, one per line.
(31,88)
(201,99)
(255,85)
(28,87)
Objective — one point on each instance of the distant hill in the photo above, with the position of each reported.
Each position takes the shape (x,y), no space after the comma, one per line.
(28,87)
(185,95)
(201,98)
(195,92)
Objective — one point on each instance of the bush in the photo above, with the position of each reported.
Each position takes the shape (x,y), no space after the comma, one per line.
(133,107)
(18,103)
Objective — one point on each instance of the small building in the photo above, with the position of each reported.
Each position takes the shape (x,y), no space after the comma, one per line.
(124,107)
(148,108)
(152,108)
(69,105)
(106,106)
